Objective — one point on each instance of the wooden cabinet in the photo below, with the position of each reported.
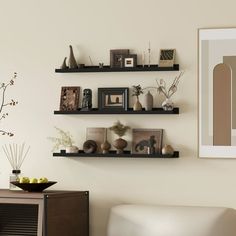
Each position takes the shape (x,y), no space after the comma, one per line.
(50,213)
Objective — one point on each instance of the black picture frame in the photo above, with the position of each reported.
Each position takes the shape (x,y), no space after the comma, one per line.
(113,98)
(116,57)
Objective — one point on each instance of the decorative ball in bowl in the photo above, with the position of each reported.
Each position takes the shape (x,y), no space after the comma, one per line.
(33,186)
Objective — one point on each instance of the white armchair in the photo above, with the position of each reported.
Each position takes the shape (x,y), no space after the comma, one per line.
(148,220)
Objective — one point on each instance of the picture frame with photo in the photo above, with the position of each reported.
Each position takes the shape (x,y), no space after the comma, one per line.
(69,100)
(116,57)
(145,139)
(167,57)
(113,98)
(130,60)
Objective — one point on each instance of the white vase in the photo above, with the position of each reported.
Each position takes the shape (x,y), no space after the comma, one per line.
(167,105)
(72,149)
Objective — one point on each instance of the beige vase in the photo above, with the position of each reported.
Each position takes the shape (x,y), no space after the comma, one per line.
(137,105)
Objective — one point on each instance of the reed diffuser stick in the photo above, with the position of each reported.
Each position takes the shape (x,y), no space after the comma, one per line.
(15,154)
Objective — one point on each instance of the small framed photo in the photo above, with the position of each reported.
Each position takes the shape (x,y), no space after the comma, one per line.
(116,57)
(130,60)
(113,98)
(167,57)
(142,138)
(69,98)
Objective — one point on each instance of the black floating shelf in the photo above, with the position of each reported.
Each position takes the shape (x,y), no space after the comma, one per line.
(130,111)
(125,69)
(112,154)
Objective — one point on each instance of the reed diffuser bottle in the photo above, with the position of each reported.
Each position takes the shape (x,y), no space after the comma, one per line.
(16,155)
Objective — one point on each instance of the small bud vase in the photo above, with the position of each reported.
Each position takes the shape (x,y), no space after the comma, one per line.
(137,105)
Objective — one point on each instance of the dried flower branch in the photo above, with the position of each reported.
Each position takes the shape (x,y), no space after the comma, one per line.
(65,139)
(3,103)
(119,129)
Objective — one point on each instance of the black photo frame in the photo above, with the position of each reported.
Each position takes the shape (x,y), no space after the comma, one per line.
(113,98)
(116,57)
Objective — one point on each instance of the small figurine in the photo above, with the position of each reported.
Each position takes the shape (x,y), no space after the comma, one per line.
(87,100)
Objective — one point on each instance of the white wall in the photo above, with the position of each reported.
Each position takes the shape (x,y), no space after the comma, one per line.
(34,40)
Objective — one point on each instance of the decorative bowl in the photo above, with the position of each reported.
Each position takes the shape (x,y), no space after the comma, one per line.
(34,187)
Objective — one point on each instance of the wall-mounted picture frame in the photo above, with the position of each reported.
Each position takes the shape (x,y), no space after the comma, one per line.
(167,57)
(130,60)
(113,98)
(217,93)
(116,57)
(70,98)
(141,139)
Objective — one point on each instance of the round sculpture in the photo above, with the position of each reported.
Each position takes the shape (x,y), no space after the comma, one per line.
(90,146)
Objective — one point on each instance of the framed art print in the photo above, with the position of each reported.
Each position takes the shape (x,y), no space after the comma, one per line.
(69,98)
(217,93)
(113,98)
(141,140)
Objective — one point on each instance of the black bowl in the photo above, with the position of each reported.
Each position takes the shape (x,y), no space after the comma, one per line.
(34,187)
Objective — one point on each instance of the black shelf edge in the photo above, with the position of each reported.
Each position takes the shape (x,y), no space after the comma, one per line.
(87,69)
(112,154)
(130,111)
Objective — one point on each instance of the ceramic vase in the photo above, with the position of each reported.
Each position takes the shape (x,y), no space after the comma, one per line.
(72,62)
(148,101)
(64,66)
(137,105)
(168,105)
(72,149)
(167,150)
(105,146)
(120,144)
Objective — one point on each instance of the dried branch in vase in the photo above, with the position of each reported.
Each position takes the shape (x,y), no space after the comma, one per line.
(162,87)
(4,103)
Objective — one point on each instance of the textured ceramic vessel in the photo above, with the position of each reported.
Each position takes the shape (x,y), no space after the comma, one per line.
(137,105)
(120,144)
(72,62)
(90,146)
(148,101)
(167,150)
(72,149)
(106,146)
